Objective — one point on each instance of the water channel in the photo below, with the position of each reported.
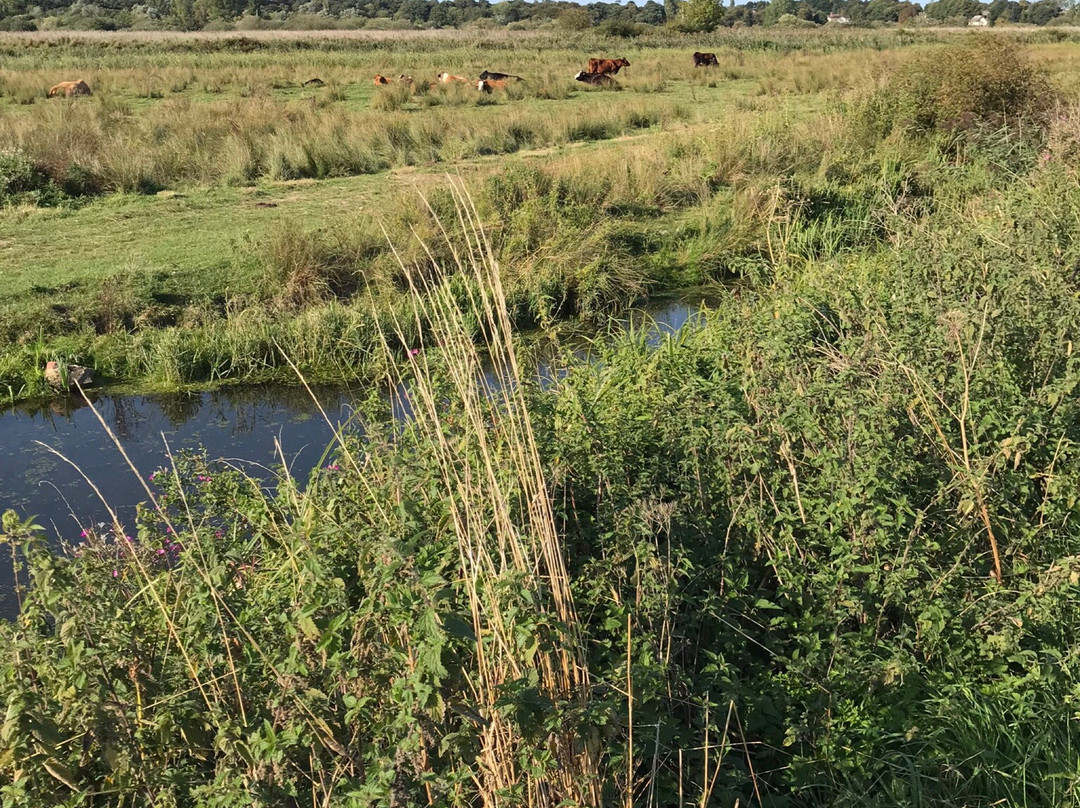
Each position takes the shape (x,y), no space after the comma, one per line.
(53,457)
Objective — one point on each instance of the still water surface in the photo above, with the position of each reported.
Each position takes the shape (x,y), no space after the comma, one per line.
(241,424)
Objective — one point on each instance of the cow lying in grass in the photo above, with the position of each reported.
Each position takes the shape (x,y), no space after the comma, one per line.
(69,89)
(488,75)
(595,79)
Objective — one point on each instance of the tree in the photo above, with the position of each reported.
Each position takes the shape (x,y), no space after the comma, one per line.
(1041,12)
(945,9)
(652,13)
(883,10)
(699,16)
(777,9)
(575,19)
(1003,10)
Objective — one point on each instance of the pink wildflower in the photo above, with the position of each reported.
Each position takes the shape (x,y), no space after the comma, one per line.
(115,573)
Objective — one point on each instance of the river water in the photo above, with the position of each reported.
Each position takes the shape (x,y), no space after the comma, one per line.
(53,457)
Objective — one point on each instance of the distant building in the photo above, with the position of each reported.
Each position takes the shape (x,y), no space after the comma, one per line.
(839,19)
(978,21)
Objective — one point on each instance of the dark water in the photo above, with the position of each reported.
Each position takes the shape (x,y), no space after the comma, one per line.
(242,424)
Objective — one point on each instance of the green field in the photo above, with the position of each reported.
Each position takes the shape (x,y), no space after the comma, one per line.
(164,199)
(821,550)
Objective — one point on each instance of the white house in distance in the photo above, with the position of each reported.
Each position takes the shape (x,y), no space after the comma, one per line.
(838,19)
(978,21)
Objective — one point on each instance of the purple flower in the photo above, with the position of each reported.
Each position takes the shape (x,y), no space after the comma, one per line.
(414,351)
(128,539)
(168,529)
(161,551)
(115,573)
(152,475)
(218,534)
(82,534)
(333,467)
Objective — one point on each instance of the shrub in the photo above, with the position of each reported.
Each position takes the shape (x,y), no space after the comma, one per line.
(23,181)
(303,268)
(391,97)
(621,28)
(965,89)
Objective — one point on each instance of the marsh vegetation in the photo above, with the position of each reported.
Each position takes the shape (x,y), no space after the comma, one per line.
(820,550)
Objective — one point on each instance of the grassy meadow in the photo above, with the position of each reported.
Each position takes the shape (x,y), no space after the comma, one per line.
(203,213)
(822,549)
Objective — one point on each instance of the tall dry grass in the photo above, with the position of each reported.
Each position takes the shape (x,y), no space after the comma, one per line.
(502,515)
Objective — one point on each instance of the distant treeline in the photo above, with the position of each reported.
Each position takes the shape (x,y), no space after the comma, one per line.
(613,18)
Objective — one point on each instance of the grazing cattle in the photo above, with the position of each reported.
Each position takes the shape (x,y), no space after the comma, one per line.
(594,79)
(70,89)
(487,75)
(381,80)
(446,78)
(314,83)
(487,85)
(403,79)
(606,66)
(705,60)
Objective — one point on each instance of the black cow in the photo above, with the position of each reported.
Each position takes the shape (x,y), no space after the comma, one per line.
(488,75)
(595,79)
(705,60)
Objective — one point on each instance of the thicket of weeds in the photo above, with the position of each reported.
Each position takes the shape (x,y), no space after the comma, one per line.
(820,550)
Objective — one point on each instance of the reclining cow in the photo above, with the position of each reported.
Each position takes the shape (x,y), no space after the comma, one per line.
(70,89)
(594,79)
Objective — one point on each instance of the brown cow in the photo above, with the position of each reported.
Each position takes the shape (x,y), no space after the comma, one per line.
(487,85)
(70,89)
(446,78)
(595,79)
(381,80)
(705,60)
(606,66)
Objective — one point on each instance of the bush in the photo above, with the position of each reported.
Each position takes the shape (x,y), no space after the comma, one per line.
(24,182)
(22,23)
(621,28)
(965,89)
(303,268)
(391,97)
